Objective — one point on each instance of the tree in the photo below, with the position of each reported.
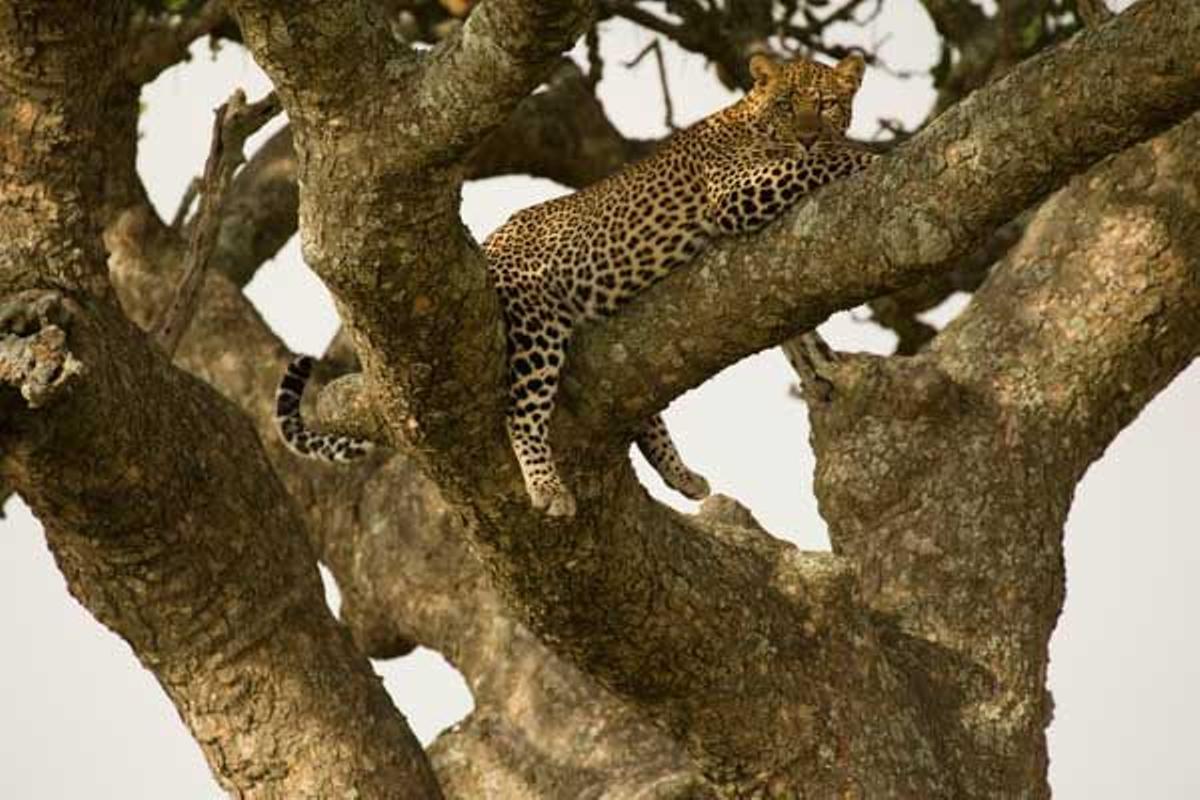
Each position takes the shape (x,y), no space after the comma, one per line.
(685,656)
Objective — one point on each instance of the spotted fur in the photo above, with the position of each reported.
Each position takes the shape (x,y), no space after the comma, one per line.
(584,255)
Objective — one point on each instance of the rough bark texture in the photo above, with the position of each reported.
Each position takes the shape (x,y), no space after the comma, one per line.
(159,506)
(1034,380)
(631,651)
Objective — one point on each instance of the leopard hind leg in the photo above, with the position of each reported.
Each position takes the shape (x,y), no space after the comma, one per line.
(654,441)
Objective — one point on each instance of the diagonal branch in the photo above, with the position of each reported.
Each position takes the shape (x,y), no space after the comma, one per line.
(462,89)
(1117,319)
(473,80)
(233,123)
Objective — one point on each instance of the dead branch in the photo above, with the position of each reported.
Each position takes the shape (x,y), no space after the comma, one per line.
(233,123)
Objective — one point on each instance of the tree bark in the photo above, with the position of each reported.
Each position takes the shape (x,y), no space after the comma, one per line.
(909,662)
(158,504)
(947,477)
(628,588)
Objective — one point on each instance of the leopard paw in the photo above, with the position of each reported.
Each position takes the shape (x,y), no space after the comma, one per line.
(553,498)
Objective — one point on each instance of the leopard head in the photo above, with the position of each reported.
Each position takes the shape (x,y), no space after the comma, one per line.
(796,100)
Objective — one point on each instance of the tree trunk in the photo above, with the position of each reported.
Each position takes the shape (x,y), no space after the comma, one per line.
(630,651)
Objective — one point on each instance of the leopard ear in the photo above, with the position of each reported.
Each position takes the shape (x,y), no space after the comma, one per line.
(851,69)
(764,69)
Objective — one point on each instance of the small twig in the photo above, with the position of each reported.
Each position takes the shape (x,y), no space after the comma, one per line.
(842,14)
(185,202)
(662,79)
(875,61)
(595,61)
(629,11)
(896,128)
(233,123)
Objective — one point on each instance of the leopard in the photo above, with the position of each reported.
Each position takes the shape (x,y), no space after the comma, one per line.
(584,255)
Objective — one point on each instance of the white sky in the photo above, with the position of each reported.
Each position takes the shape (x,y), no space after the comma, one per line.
(80,718)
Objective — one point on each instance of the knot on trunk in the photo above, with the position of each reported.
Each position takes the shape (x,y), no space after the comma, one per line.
(34,357)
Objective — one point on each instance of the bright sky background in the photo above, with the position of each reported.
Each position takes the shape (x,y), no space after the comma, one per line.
(81,718)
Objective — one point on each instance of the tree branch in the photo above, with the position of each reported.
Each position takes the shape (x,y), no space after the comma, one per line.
(1117,319)
(628,587)
(233,123)
(472,81)
(1073,333)
(932,201)
(159,506)
(162,41)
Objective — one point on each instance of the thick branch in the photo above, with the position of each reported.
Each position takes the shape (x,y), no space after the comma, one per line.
(540,728)
(973,449)
(472,81)
(158,503)
(201,565)
(323,57)
(1120,316)
(466,86)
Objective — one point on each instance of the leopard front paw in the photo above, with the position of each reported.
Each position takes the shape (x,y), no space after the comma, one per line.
(553,498)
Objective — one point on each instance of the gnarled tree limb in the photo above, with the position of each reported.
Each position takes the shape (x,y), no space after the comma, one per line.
(947,477)
(159,506)
(680,615)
